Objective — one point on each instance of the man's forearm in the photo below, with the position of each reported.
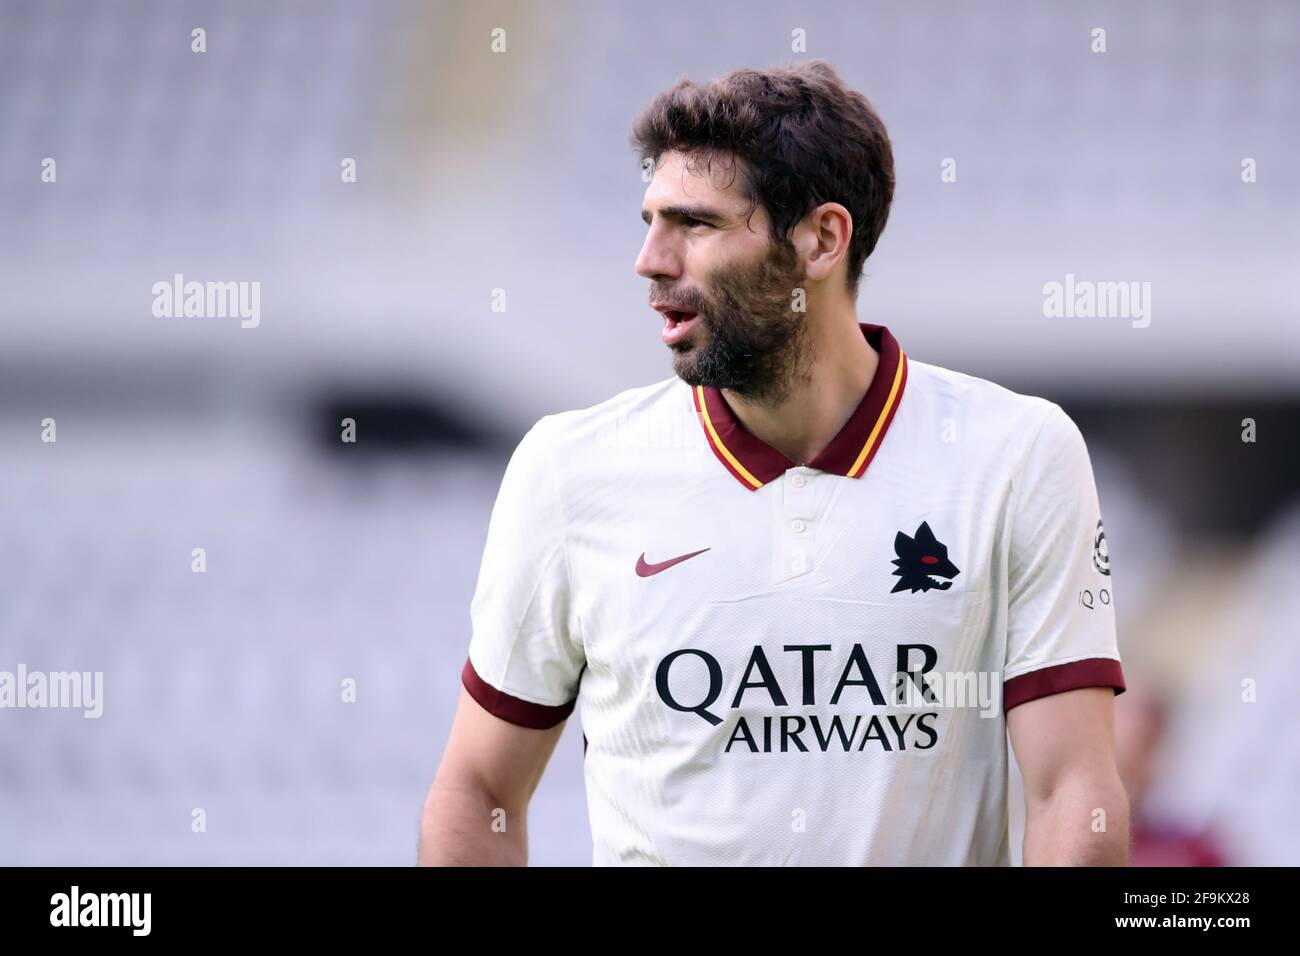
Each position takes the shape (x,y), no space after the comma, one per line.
(1079,825)
(463,826)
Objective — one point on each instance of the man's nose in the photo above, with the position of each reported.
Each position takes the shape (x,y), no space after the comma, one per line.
(658,259)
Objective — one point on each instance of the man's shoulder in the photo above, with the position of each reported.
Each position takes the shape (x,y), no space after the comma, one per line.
(658,405)
(978,402)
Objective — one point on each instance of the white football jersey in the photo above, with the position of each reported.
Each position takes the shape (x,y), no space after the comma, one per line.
(796,664)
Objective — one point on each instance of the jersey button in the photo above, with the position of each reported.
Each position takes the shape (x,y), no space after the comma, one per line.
(798,481)
(797,526)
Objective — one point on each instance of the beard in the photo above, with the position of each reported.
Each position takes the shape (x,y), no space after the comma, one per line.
(747,339)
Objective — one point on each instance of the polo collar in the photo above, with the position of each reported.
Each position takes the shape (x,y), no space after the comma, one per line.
(753,462)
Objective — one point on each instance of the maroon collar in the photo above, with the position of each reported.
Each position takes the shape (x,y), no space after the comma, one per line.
(753,462)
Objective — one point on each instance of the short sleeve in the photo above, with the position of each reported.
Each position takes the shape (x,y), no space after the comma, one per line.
(524,656)
(1060,603)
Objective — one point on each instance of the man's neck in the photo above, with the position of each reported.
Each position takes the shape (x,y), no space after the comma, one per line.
(823,398)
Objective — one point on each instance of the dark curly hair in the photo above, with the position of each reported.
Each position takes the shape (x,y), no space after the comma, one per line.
(799,136)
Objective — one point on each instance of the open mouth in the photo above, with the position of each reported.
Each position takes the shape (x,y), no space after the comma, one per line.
(677,326)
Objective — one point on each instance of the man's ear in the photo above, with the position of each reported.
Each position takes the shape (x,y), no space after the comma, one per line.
(822,239)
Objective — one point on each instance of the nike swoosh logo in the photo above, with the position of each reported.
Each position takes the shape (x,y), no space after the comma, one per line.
(644,570)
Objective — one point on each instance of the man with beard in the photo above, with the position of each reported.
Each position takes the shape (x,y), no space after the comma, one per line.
(804,504)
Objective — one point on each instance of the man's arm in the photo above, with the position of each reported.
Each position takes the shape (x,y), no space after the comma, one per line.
(477,809)
(1076,810)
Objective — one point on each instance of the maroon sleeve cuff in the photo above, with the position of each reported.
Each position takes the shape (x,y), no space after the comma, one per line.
(500,704)
(1092,672)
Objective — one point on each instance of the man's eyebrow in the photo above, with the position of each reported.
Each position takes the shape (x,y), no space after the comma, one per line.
(707,213)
